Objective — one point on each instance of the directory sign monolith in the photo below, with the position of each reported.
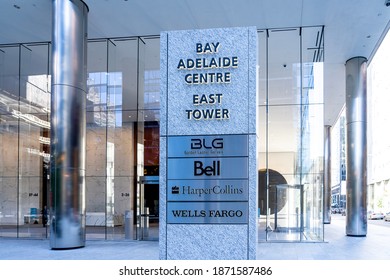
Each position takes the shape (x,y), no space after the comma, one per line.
(208,170)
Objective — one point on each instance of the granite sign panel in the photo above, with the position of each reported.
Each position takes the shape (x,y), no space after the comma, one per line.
(208,139)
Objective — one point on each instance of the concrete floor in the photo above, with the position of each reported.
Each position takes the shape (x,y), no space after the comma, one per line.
(337,246)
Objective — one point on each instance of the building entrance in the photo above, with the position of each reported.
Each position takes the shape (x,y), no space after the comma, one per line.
(148,208)
(285,222)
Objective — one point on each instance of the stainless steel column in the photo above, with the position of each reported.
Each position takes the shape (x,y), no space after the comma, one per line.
(68,92)
(356,120)
(327,169)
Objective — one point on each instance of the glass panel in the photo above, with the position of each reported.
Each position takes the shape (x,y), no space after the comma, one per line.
(291,155)
(120,154)
(378,134)
(122,142)
(283,135)
(152,148)
(284,188)
(338,163)
(150,223)
(284,67)
(34,79)
(96,140)
(312,168)
(262,137)
(9,127)
(151,169)
(120,176)
(142,211)
(9,78)
(95,217)
(311,150)
(8,215)
(262,164)
(124,63)
(152,73)
(97,78)
(312,116)
(34,141)
(114,219)
(34,164)
(312,207)
(285,212)
(262,67)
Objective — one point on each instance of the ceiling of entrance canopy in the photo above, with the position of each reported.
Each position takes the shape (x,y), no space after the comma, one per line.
(352,27)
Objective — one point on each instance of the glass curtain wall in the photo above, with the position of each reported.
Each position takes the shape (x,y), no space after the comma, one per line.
(122,138)
(338,168)
(9,135)
(378,148)
(122,145)
(291,134)
(150,185)
(114,137)
(24,140)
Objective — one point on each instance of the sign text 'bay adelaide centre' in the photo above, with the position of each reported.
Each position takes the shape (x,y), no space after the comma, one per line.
(208,144)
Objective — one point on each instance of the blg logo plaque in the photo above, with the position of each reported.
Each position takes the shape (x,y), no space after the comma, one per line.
(208,146)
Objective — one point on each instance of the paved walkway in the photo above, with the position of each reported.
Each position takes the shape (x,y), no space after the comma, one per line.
(337,246)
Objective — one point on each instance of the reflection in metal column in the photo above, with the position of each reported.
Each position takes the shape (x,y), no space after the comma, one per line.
(327,176)
(356,120)
(69,46)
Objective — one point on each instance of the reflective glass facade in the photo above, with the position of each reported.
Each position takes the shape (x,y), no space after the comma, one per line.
(291,134)
(122,139)
(378,87)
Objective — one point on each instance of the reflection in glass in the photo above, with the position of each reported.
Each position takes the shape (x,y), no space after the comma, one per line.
(292,123)
(122,141)
(24,130)
(378,135)
(9,127)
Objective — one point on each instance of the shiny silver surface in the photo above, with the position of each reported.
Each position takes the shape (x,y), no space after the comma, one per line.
(69,38)
(327,176)
(69,48)
(356,120)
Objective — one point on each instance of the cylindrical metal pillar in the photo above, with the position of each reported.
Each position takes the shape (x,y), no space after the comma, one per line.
(356,121)
(327,174)
(68,122)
